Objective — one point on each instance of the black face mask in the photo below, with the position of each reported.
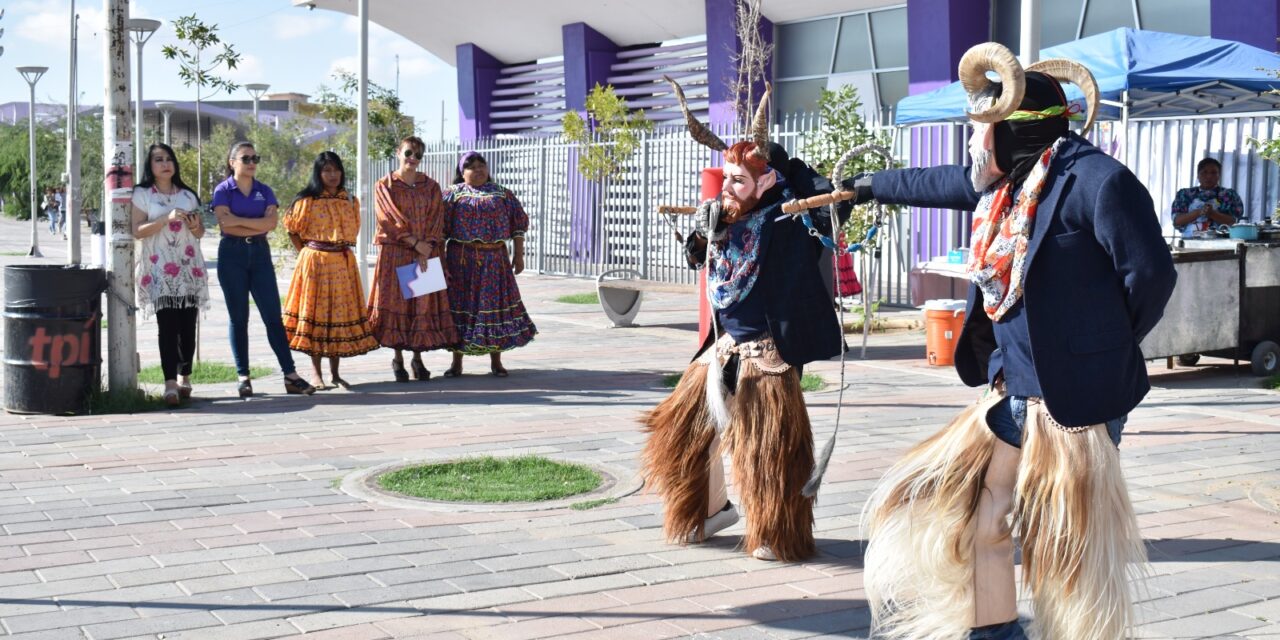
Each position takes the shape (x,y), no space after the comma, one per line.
(1019,144)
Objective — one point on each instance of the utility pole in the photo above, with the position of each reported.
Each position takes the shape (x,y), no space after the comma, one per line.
(72,196)
(117,154)
(362,144)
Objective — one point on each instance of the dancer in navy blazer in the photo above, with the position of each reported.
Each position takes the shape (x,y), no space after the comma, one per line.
(1069,272)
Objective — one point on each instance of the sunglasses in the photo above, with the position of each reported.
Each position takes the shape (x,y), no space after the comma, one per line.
(250,159)
(409,153)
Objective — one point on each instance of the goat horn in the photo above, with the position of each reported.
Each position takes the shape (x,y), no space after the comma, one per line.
(699,131)
(760,126)
(992,56)
(1070,71)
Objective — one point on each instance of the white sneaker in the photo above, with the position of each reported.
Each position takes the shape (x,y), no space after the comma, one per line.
(722,520)
(764,553)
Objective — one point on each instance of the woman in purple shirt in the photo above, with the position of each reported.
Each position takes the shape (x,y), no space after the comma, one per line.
(246,211)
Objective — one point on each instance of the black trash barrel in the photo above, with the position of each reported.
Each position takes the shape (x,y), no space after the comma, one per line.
(52,337)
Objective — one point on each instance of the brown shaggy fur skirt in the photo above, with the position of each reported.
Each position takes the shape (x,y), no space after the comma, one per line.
(771,447)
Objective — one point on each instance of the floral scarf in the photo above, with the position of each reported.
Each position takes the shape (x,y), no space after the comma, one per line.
(171,272)
(1001,235)
(734,262)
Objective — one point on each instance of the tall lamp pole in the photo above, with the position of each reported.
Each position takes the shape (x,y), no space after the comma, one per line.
(72,198)
(32,76)
(166,109)
(140,31)
(256,89)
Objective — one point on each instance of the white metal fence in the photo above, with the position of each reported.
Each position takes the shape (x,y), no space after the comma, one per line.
(624,230)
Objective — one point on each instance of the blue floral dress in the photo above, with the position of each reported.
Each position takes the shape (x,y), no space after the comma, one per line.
(483,295)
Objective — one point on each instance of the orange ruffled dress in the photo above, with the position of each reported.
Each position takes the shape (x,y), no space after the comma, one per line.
(324,312)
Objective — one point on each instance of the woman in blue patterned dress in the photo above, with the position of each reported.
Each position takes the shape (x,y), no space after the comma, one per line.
(480,217)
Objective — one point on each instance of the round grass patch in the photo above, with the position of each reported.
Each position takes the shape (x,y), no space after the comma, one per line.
(492,480)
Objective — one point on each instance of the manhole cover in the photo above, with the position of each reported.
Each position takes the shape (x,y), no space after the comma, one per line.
(1267,496)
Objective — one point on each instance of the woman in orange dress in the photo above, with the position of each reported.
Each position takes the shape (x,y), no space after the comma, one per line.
(410,230)
(324,314)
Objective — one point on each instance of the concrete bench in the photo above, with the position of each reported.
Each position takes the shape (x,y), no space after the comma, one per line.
(622,290)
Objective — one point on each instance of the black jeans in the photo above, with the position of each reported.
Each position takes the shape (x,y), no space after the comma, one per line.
(177,340)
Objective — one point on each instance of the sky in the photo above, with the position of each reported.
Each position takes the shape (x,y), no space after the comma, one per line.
(291,48)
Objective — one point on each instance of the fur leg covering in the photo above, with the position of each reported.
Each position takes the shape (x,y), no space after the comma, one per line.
(676,457)
(1081,546)
(920,526)
(772,448)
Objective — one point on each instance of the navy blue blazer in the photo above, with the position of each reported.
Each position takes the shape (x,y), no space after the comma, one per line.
(802,319)
(1098,277)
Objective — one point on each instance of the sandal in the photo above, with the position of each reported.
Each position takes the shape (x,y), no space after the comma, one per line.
(246,389)
(452,372)
(397,368)
(498,372)
(340,383)
(419,370)
(184,391)
(298,386)
(171,398)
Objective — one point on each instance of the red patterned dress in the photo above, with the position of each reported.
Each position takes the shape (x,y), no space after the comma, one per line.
(408,211)
(482,289)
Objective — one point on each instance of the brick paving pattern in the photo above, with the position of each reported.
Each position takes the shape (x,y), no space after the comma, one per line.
(224,519)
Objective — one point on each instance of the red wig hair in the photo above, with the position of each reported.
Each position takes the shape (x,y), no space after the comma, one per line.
(744,155)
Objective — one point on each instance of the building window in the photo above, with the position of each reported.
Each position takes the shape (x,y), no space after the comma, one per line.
(1062,21)
(867,44)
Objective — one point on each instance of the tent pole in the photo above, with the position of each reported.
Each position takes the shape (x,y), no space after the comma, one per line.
(1029,40)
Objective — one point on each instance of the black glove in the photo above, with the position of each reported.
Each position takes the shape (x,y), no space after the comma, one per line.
(695,250)
(860,185)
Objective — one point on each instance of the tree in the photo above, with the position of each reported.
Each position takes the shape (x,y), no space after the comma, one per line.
(387,124)
(50,164)
(750,60)
(608,136)
(193,69)
(842,128)
(1269,149)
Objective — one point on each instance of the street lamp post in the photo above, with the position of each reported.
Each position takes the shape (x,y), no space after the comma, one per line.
(166,109)
(32,76)
(140,31)
(256,89)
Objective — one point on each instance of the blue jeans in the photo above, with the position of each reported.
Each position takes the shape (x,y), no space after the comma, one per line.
(1008,631)
(244,269)
(1007,419)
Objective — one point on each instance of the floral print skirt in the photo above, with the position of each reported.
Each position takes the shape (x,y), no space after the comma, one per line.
(324,311)
(418,324)
(485,300)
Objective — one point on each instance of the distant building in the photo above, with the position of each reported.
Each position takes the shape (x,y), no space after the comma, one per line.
(521,65)
(273,110)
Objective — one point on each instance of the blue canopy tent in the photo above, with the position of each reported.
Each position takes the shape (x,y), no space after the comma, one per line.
(1143,73)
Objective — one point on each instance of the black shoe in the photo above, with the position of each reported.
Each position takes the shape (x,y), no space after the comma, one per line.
(298,386)
(419,371)
(397,368)
(246,389)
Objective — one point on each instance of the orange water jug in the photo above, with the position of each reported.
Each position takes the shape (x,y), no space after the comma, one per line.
(943,320)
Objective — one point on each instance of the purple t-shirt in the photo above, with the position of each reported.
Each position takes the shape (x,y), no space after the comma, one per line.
(227,194)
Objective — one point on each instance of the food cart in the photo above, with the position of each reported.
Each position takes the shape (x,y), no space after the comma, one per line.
(1226,304)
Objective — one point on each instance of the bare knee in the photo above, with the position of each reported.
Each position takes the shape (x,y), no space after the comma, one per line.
(992,528)
(996,501)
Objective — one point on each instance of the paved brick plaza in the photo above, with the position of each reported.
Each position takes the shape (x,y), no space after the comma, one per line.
(224,520)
